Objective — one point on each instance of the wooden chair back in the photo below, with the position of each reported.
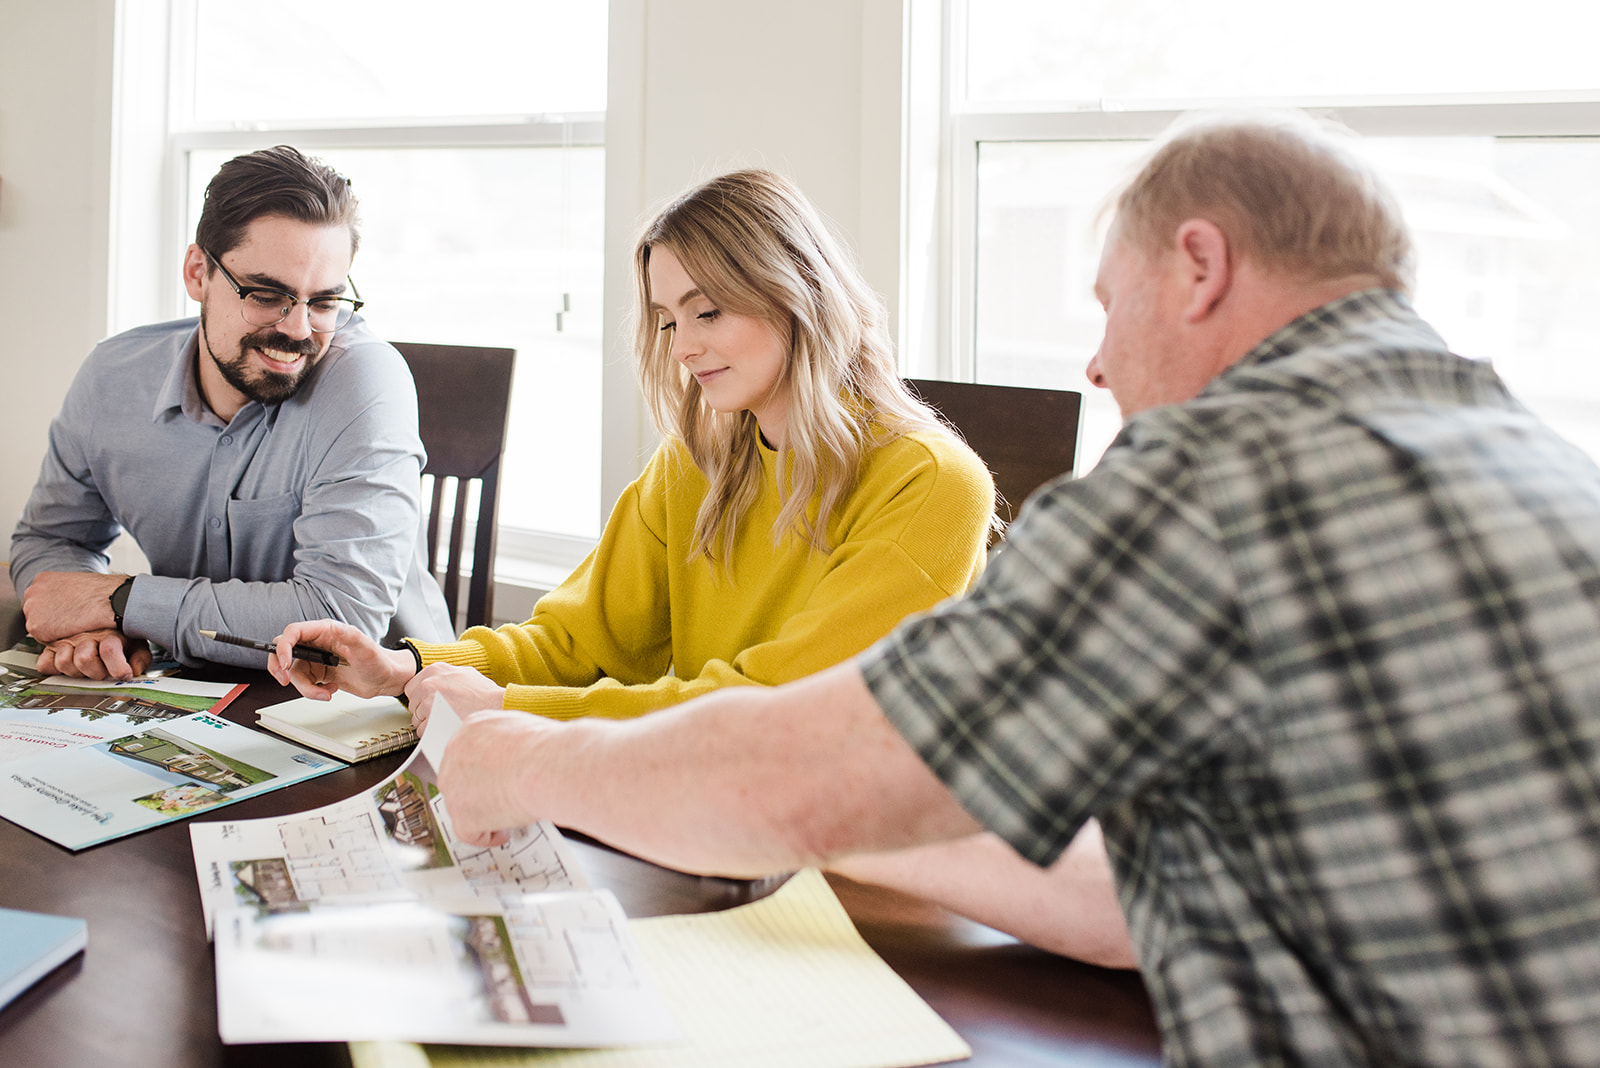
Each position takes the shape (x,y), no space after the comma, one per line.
(1027,436)
(463,410)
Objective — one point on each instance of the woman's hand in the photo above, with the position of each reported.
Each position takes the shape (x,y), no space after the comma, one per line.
(369,669)
(466,690)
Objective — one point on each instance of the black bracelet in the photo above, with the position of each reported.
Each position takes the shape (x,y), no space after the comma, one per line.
(415,652)
(119,600)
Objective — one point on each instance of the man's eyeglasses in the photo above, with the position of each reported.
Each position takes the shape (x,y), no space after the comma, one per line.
(261,306)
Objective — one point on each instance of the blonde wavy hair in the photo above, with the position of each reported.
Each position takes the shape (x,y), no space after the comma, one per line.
(755,246)
(1288,190)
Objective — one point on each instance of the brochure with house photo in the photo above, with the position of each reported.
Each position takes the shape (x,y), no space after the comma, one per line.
(50,713)
(93,793)
(369,918)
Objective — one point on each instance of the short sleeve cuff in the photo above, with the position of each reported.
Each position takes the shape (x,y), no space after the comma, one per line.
(914,703)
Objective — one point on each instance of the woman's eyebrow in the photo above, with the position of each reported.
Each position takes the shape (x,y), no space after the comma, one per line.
(686,298)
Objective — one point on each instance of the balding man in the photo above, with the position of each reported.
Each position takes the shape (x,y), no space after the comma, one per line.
(1318,641)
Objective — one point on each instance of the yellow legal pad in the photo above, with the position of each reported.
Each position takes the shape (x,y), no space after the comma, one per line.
(784,981)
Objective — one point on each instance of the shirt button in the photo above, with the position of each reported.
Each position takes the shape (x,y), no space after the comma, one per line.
(227,439)
(216,524)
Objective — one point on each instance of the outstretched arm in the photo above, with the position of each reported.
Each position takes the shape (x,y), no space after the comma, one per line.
(1069,908)
(750,781)
(742,782)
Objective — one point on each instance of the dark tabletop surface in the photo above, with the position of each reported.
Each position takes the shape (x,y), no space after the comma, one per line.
(144,991)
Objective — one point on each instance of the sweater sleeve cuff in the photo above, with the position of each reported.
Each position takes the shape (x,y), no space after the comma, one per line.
(552,702)
(464,654)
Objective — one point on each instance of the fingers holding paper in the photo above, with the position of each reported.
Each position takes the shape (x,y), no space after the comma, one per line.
(482,773)
(369,670)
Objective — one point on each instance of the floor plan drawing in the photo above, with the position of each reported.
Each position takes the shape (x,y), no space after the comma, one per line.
(391,843)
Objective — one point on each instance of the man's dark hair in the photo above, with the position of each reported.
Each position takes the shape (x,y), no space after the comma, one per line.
(274,181)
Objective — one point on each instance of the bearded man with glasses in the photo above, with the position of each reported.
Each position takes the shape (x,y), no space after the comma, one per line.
(264,456)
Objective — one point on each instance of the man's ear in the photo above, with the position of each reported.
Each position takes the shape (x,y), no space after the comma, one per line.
(194,271)
(1206,260)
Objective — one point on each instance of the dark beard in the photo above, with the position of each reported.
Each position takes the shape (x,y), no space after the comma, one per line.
(267,387)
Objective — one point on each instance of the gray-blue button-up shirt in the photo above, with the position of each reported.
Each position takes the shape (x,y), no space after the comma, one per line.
(306,509)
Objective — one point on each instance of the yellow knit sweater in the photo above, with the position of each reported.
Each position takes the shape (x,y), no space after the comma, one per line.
(639,625)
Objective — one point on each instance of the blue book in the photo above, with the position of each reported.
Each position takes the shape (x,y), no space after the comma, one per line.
(32,944)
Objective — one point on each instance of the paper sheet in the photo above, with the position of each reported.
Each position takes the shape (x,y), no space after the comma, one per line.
(393,842)
(785,982)
(556,969)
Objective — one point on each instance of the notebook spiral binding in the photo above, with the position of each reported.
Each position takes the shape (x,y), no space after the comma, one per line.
(382,743)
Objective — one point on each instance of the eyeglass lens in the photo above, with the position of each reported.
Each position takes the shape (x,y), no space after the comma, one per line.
(266,308)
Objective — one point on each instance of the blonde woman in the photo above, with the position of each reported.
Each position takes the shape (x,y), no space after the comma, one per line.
(801,504)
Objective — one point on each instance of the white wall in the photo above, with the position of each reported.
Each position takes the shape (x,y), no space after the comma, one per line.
(55,146)
(697,86)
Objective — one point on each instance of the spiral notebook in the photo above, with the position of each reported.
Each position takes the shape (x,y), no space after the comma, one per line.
(348,727)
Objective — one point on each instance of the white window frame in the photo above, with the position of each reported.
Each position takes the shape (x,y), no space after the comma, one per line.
(153,137)
(560,131)
(945,133)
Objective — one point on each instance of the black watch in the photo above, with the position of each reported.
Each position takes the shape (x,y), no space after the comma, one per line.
(119,600)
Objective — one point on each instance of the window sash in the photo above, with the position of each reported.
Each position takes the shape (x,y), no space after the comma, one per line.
(967,130)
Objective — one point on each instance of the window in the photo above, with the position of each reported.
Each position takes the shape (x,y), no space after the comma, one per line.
(473,134)
(1487,127)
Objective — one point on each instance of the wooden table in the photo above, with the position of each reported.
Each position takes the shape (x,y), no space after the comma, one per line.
(144,993)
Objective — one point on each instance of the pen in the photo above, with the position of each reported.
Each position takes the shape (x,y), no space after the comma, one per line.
(301,652)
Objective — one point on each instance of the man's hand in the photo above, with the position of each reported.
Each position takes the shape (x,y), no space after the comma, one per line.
(97,654)
(467,690)
(60,604)
(482,773)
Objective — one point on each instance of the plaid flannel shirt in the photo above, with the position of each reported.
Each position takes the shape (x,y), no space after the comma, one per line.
(1321,649)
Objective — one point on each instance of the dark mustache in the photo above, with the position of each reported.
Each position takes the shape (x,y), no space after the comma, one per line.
(272,339)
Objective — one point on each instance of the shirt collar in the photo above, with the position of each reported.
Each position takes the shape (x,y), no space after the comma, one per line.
(1331,320)
(180,391)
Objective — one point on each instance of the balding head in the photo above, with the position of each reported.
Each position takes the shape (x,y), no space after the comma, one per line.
(1237,225)
(1286,190)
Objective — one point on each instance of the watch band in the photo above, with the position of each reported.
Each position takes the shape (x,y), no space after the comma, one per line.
(119,600)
